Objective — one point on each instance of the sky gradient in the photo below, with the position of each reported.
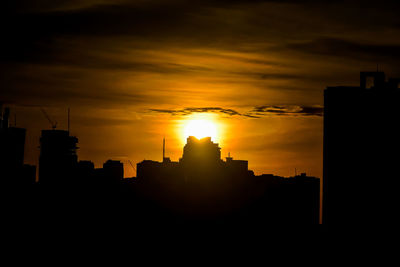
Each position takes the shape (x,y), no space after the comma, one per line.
(133,72)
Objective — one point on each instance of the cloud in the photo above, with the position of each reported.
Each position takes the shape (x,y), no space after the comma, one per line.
(287,110)
(165,53)
(192,110)
(338,47)
(256,112)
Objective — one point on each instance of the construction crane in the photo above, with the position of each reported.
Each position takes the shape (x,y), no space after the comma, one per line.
(53,123)
(130,162)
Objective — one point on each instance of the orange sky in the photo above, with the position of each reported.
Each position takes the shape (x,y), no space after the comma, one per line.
(133,71)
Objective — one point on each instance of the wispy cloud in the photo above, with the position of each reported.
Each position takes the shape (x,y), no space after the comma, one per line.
(192,110)
(256,112)
(287,110)
(344,48)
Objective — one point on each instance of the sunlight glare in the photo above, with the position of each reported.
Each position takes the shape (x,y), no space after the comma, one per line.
(200,128)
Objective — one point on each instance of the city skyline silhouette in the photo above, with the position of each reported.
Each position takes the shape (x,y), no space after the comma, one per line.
(200,187)
(240,113)
(218,191)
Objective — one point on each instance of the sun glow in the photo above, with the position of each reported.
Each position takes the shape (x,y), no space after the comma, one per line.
(200,128)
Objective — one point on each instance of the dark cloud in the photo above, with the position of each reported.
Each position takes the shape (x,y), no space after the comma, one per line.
(30,31)
(191,110)
(101,36)
(288,110)
(256,112)
(211,23)
(267,75)
(336,47)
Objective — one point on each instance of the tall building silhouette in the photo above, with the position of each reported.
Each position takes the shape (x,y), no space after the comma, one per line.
(361,146)
(58,159)
(201,157)
(199,150)
(12,145)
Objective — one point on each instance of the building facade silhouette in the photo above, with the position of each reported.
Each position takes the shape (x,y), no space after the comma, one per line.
(203,187)
(199,157)
(58,159)
(114,170)
(200,150)
(12,146)
(361,144)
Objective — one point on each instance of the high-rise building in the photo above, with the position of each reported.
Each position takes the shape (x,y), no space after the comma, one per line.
(200,150)
(201,158)
(58,159)
(12,145)
(361,151)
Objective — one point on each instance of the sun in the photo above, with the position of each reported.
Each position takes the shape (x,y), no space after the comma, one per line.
(200,128)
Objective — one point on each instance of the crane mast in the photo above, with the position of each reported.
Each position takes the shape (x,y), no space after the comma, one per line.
(52,123)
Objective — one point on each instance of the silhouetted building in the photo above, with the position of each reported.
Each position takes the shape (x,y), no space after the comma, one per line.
(200,150)
(201,188)
(361,144)
(12,145)
(280,200)
(201,157)
(148,168)
(28,174)
(84,172)
(58,159)
(12,142)
(12,148)
(113,170)
(85,166)
(204,187)
(237,166)
(110,176)
(304,194)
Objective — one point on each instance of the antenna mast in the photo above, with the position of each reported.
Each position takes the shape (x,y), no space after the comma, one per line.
(163,149)
(68,120)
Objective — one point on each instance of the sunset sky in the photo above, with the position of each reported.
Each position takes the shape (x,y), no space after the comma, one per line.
(133,72)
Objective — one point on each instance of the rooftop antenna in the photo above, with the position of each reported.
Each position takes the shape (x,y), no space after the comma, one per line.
(163,149)
(295,172)
(68,120)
